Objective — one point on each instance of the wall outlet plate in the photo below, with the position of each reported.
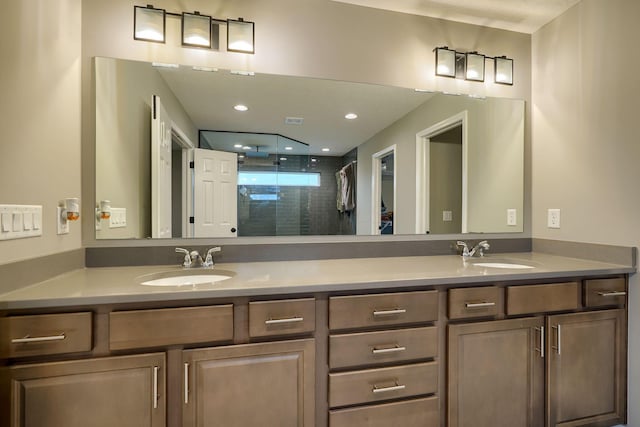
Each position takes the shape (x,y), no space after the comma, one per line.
(553,218)
(512,217)
(62,226)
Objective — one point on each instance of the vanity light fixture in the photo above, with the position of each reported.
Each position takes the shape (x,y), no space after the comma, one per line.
(240,107)
(445,62)
(149,24)
(240,36)
(351,116)
(196,30)
(503,70)
(474,66)
(471,66)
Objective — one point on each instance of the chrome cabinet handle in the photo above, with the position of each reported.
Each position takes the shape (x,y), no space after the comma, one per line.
(541,348)
(396,387)
(396,348)
(612,293)
(186,383)
(155,387)
(389,312)
(558,345)
(29,339)
(479,304)
(286,320)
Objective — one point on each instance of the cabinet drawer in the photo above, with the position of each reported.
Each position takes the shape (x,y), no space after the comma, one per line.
(45,334)
(411,413)
(369,348)
(466,303)
(542,298)
(371,385)
(149,328)
(605,292)
(282,317)
(359,311)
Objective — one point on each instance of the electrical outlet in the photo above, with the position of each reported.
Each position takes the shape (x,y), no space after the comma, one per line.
(447,216)
(62,225)
(553,218)
(512,218)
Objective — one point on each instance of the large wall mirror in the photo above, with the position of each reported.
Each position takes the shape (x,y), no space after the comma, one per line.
(195,152)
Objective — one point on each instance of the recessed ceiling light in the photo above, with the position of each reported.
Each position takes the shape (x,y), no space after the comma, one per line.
(237,146)
(246,147)
(240,107)
(351,116)
(326,149)
(288,148)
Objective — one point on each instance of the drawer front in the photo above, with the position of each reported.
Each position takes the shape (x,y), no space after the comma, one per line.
(411,413)
(150,328)
(465,303)
(372,385)
(605,292)
(542,298)
(360,311)
(282,317)
(370,348)
(45,334)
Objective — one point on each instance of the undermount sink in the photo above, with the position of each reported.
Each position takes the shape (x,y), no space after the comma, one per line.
(504,264)
(185,278)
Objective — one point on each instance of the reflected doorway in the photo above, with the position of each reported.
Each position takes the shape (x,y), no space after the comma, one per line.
(384,192)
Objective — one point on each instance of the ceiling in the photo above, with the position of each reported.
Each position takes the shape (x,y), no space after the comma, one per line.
(524,16)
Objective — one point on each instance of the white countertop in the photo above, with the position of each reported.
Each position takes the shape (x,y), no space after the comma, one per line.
(89,286)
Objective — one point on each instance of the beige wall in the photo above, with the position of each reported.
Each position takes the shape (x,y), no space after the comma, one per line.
(495,155)
(123,139)
(585,149)
(316,38)
(40,110)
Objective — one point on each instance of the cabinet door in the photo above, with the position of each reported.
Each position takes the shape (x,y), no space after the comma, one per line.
(124,391)
(267,384)
(587,369)
(496,373)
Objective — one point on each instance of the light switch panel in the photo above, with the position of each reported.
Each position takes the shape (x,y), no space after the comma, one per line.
(20,221)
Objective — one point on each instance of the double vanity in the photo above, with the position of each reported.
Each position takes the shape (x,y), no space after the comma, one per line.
(521,339)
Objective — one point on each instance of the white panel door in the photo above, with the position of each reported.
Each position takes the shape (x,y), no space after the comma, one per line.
(216,197)
(160,170)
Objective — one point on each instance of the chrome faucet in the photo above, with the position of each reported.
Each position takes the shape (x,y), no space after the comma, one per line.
(479,248)
(193,258)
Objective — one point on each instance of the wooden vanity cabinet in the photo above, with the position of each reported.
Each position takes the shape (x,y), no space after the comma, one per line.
(564,370)
(124,391)
(265,384)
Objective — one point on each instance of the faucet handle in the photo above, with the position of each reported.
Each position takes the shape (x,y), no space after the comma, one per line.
(465,248)
(187,257)
(208,262)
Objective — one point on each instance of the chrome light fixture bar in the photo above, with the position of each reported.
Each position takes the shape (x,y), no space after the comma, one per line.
(471,66)
(198,30)
(149,24)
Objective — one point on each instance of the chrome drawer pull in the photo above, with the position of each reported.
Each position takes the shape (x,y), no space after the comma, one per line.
(389,312)
(558,346)
(186,383)
(155,387)
(479,304)
(393,349)
(287,320)
(612,293)
(541,349)
(29,339)
(396,387)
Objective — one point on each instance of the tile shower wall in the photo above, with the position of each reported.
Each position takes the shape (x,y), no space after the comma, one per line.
(295,210)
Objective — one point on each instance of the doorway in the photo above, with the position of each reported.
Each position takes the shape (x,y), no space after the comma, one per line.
(383,190)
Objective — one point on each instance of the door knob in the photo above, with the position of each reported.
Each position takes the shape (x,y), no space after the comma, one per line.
(233,229)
